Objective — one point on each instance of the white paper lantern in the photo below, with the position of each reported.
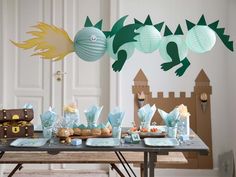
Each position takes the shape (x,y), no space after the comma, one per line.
(148,40)
(200,39)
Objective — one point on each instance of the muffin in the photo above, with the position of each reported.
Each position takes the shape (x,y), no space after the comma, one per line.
(96,131)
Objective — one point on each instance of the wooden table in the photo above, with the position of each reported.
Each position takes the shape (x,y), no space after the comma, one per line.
(62,151)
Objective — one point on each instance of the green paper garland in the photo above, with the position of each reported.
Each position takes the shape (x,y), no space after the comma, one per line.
(91,42)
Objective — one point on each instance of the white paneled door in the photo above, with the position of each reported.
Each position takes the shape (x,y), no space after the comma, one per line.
(29,79)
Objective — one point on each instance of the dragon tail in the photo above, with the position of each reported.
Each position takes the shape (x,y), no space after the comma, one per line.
(49,42)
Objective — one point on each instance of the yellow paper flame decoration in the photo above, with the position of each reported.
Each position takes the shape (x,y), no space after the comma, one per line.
(50,42)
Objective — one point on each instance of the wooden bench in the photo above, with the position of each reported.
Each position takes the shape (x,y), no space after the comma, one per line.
(88,157)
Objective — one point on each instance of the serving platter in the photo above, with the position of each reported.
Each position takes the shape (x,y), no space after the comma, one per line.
(102,142)
(161,142)
(29,142)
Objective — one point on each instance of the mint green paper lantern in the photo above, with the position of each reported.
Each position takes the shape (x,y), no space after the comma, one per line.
(182,47)
(148,40)
(200,39)
(90,44)
(128,47)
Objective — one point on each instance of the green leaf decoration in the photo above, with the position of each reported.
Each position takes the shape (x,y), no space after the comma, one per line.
(190,25)
(167,31)
(220,32)
(180,71)
(178,30)
(137,22)
(88,22)
(202,21)
(148,21)
(124,35)
(118,25)
(98,25)
(159,26)
(119,63)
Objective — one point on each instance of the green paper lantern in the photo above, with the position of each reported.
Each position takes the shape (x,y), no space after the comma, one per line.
(148,40)
(182,47)
(200,39)
(128,47)
(90,44)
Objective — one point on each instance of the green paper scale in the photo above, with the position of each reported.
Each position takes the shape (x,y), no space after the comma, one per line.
(128,47)
(90,44)
(148,40)
(200,39)
(182,47)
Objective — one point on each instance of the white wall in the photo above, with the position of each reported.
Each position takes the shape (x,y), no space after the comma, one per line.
(214,62)
(231,102)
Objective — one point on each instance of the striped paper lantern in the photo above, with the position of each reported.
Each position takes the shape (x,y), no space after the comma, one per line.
(90,44)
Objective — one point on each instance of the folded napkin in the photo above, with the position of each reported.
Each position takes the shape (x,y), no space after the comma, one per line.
(28,106)
(171,119)
(71,116)
(115,117)
(92,114)
(48,118)
(146,113)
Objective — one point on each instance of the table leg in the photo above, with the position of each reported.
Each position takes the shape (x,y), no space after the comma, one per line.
(1,154)
(18,167)
(152,159)
(113,166)
(122,164)
(145,165)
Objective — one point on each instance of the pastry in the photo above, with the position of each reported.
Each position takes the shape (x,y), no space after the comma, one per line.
(77,131)
(71,131)
(86,132)
(105,131)
(63,132)
(109,127)
(96,131)
(68,140)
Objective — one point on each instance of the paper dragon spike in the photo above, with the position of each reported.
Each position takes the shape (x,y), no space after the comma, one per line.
(91,43)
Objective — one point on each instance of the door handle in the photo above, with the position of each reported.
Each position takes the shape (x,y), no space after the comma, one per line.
(59,75)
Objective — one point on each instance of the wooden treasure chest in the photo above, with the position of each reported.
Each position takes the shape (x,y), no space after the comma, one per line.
(16,123)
